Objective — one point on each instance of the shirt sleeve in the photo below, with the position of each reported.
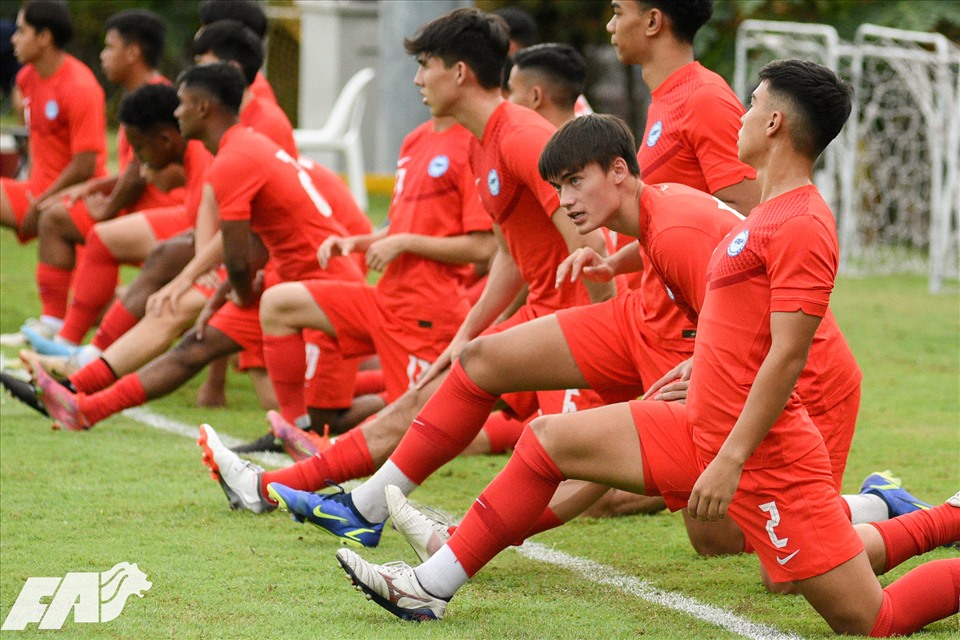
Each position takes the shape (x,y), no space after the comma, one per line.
(472,213)
(235,179)
(802,259)
(522,157)
(711,125)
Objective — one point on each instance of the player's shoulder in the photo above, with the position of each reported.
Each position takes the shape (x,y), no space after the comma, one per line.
(78,73)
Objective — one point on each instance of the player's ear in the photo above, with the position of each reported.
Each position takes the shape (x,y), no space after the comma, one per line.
(655,20)
(537,96)
(774,122)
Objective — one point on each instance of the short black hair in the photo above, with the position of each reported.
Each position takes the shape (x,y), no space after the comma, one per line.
(820,99)
(52,15)
(521,27)
(150,106)
(221,80)
(469,35)
(230,41)
(143,28)
(561,64)
(596,138)
(686,16)
(246,11)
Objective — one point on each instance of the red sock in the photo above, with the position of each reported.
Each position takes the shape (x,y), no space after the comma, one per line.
(94,377)
(98,274)
(347,459)
(509,507)
(924,595)
(547,520)
(445,426)
(918,532)
(117,321)
(368,381)
(127,392)
(53,283)
(287,366)
(503,431)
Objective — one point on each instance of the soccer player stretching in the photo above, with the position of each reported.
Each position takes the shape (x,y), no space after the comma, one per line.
(743,445)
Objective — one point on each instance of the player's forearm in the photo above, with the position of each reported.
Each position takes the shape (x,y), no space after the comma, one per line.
(126,190)
(503,284)
(626,260)
(80,169)
(206,257)
(462,249)
(775,381)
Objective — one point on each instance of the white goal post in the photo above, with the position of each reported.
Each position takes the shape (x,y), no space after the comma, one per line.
(892,174)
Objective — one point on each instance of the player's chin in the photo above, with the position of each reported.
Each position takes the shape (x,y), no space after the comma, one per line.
(582,223)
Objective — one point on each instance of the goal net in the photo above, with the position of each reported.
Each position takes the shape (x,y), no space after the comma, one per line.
(892,174)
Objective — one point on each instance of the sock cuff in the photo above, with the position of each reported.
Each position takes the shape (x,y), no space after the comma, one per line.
(532,452)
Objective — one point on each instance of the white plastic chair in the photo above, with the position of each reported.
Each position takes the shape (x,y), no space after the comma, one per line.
(341,132)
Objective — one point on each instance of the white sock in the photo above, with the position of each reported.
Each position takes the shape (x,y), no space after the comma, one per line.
(368,498)
(866,507)
(88,354)
(50,321)
(442,574)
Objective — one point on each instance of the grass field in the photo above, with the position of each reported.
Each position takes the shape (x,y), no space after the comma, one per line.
(82,502)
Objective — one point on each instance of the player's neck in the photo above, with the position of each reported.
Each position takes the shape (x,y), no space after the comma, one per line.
(783,171)
(474,112)
(557,117)
(631,208)
(140,76)
(215,132)
(665,61)
(443,123)
(48,62)
(247,99)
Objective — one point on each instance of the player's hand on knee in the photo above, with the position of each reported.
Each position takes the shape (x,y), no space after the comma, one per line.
(714,490)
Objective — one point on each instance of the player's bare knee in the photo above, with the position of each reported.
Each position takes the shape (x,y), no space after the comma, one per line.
(479,363)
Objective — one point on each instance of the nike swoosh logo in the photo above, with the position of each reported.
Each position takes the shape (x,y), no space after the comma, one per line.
(784,561)
(326,516)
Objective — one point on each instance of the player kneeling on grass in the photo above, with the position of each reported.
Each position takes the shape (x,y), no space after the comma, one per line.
(741,446)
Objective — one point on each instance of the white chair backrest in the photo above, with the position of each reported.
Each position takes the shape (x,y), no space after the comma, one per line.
(348,109)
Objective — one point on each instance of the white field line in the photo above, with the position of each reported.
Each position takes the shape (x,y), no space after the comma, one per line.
(601,574)
(587,569)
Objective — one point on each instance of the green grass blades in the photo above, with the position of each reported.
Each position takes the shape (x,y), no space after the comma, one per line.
(126,492)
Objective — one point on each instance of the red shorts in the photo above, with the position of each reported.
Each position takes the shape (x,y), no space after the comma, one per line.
(612,349)
(152,199)
(19,194)
(406,347)
(242,325)
(167,222)
(790,515)
(837,425)
(524,405)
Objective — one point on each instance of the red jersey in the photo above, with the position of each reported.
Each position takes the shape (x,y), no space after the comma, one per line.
(65,114)
(518,199)
(435,194)
(680,229)
(262,89)
(782,258)
(267,118)
(196,161)
(254,179)
(338,194)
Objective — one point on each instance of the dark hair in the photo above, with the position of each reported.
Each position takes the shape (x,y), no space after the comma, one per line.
(591,138)
(521,27)
(230,41)
(686,16)
(469,35)
(221,80)
(143,28)
(149,106)
(52,15)
(819,98)
(561,64)
(246,11)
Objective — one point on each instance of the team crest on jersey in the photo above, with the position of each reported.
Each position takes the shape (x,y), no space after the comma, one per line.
(51,110)
(738,243)
(654,134)
(438,166)
(493,182)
